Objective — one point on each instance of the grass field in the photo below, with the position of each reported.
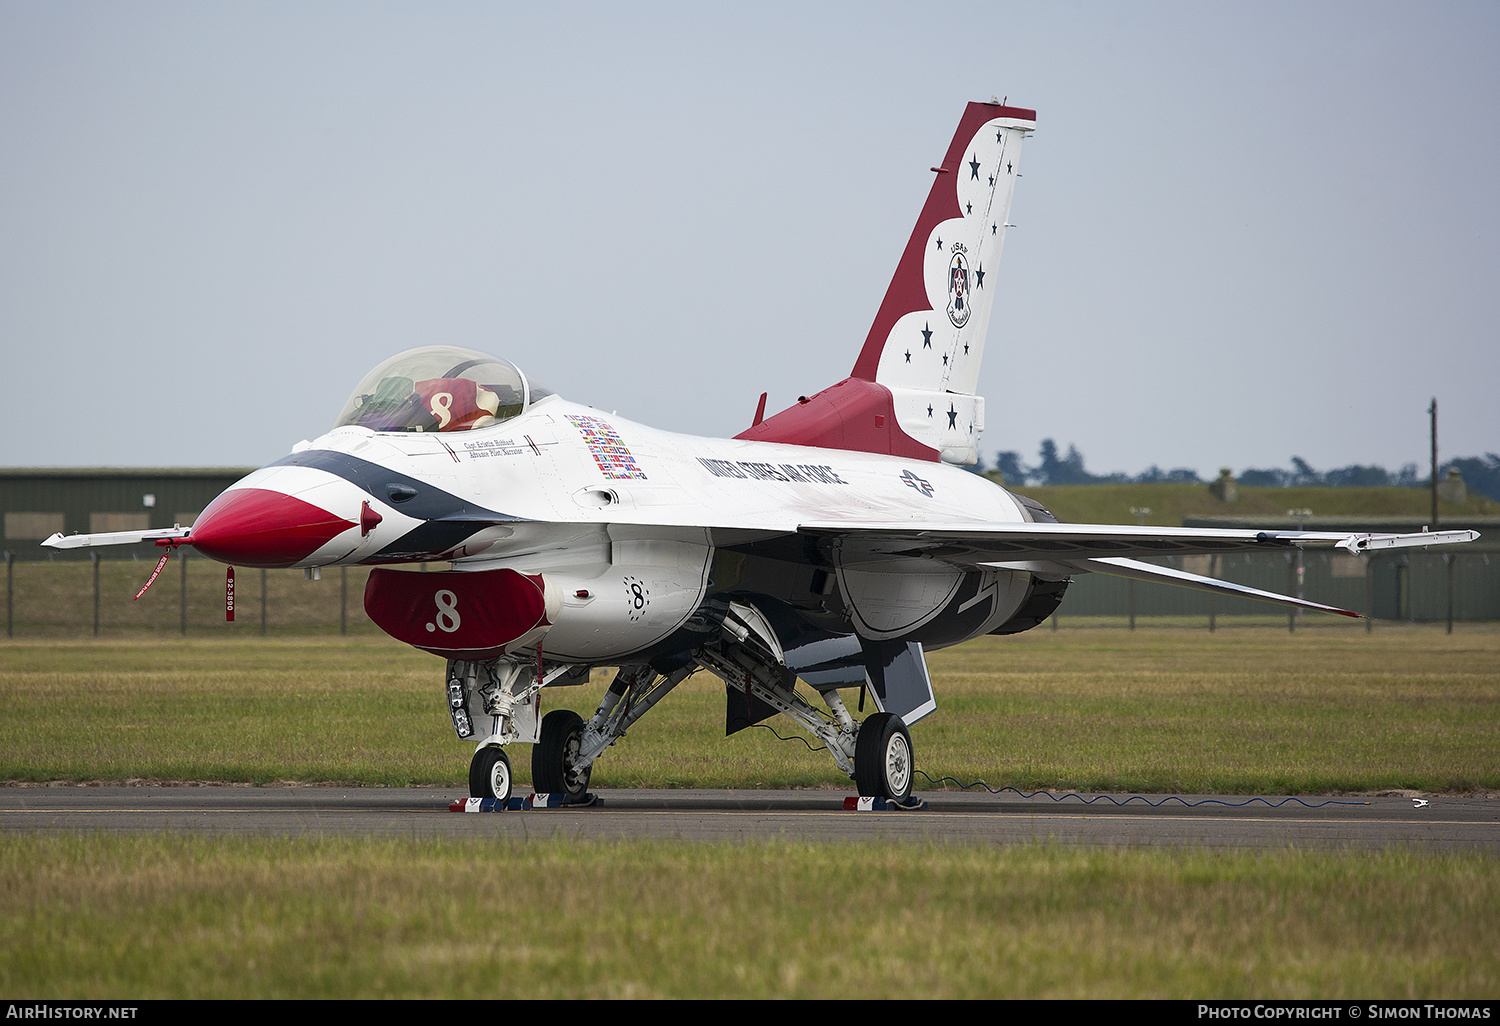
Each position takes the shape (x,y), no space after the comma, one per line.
(176,917)
(1250,710)
(1244,710)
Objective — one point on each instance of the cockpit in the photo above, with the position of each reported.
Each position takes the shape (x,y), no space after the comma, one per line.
(439,388)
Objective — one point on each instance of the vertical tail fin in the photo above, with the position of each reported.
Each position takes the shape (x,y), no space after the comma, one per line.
(912,390)
(928,338)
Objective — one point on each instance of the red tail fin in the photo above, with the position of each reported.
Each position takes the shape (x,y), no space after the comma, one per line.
(912,390)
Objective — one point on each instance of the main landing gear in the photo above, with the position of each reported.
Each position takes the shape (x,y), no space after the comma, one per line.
(497,702)
(877,753)
(883,759)
(555,764)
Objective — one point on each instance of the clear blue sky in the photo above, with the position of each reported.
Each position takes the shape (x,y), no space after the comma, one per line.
(1244,231)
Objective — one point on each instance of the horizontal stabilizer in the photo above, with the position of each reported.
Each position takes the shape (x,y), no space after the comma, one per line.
(1139,571)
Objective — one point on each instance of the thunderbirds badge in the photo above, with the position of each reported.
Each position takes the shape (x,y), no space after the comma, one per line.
(958,288)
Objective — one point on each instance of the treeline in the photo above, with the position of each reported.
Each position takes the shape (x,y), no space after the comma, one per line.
(1480,473)
(1068,469)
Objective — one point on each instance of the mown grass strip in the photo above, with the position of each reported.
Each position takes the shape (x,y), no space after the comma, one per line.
(1240,712)
(183,917)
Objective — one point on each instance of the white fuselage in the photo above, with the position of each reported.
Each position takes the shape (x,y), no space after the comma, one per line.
(561,466)
(624,520)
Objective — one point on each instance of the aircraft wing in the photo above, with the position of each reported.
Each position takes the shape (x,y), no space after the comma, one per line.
(1166,575)
(1054,551)
(974,543)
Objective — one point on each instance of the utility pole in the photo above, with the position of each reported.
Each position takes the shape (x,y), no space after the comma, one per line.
(1140,513)
(1213,571)
(1432,410)
(1448,564)
(1299,570)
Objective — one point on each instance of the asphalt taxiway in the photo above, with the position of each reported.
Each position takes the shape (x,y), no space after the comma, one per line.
(1208,821)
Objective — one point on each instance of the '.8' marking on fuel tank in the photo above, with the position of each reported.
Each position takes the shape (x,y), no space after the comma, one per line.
(447,612)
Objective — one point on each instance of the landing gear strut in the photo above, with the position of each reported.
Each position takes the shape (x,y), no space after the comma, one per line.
(876,753)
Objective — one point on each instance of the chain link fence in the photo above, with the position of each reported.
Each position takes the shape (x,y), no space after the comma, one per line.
(91,597)
(1421,586)
(80,598)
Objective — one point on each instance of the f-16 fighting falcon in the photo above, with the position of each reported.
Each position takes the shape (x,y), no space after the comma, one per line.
(834,543)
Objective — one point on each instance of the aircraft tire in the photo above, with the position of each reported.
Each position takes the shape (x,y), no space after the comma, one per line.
(883,760)
(489,774)
(554,755)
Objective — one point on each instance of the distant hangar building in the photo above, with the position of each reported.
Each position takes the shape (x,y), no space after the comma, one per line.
(38,502)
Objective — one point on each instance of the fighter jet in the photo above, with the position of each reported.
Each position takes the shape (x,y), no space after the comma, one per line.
(834,543)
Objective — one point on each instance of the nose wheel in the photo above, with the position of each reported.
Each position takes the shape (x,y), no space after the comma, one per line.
(883,758)
(489,774)
(554,758)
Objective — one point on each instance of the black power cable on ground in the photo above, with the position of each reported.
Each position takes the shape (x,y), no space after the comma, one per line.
(1141,798)
(1097,798)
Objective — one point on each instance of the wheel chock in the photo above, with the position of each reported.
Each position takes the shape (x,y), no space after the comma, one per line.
(486,805)
(541,800)
(864,803)
(535,801)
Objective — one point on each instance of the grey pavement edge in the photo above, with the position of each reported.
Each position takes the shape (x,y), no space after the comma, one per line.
(1206,821)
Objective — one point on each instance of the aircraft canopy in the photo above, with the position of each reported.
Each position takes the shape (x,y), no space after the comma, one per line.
(439,388)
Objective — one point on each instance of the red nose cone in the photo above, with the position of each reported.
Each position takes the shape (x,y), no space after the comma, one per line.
(260,527)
